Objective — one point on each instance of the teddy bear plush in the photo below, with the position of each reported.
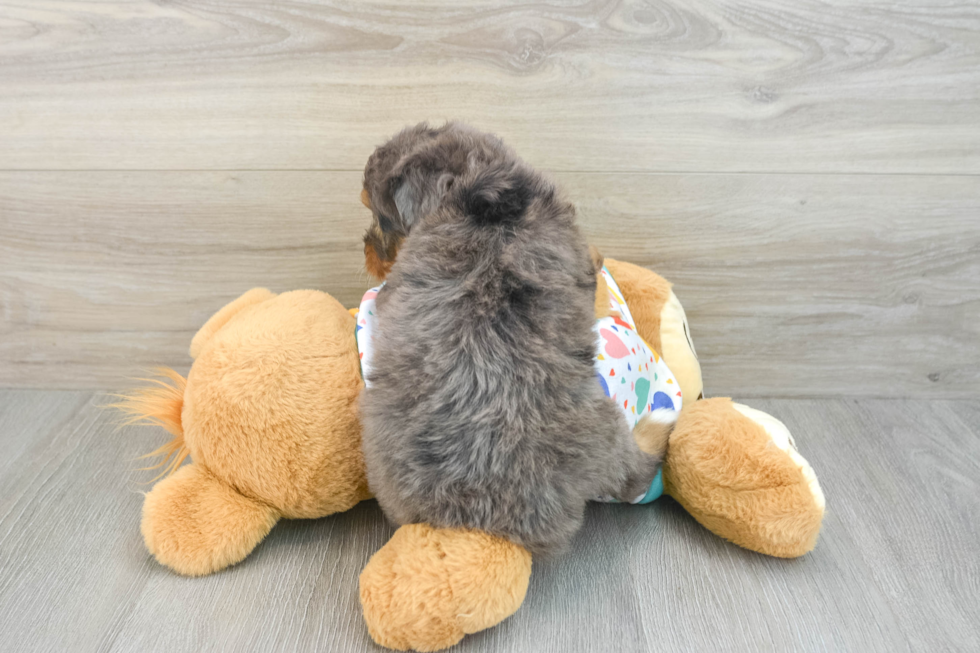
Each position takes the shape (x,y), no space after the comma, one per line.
(268,417)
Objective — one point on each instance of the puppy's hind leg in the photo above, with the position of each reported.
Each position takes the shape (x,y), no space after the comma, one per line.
(653,431)
(650,436)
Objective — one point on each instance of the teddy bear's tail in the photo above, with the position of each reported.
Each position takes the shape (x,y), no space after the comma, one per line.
(159,404)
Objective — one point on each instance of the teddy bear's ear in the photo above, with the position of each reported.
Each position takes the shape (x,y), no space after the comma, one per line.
(222,317)
(196,525)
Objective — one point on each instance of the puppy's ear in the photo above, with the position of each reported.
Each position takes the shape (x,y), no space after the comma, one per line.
(416,193)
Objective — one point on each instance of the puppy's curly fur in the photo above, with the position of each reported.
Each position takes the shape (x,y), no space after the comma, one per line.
(483,409)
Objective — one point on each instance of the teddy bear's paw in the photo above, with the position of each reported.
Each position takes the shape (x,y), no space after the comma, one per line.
(735,469)
(196,525)
(428,587)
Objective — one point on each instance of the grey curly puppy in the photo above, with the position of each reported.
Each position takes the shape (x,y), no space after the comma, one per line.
(483,410)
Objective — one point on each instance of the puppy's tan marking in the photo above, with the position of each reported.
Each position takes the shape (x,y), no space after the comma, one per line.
(375,266)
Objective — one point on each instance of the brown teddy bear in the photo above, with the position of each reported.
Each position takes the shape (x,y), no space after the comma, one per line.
(268,416)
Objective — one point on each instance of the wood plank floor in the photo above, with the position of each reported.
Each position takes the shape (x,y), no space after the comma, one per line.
(897,566)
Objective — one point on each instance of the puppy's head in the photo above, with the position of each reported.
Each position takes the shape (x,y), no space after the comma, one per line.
(404,180)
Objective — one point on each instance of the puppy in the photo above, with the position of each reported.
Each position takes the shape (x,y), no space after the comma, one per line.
(482,408)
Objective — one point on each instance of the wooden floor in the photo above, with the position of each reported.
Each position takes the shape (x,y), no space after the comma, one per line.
(897,567)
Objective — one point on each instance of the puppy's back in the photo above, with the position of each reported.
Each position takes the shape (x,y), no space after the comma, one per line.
(483,410)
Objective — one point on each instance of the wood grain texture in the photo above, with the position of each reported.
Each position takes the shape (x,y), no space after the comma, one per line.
(702,85)
(896,567)
(795,285)
(802,285)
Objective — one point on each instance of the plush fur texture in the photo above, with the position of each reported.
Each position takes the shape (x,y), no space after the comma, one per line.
(224,315)
(483,410)
(285,375)
(726,471)
(159,404)
(196,524)
(268,414)
(465,581)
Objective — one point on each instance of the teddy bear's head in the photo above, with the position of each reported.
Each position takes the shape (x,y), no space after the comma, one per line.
(268,417)
(270,405)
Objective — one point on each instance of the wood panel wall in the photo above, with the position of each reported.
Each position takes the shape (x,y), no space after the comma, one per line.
(807,173)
